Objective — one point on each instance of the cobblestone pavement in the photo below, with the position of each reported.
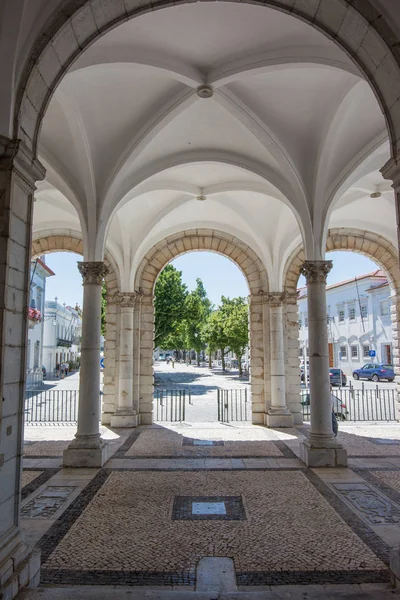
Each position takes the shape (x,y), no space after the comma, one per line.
(203,385)
(144,519)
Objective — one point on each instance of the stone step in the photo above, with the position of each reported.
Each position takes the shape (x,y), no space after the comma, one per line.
(285,592)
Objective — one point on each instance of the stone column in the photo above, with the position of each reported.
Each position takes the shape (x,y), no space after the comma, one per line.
(19,170)
(320,449)
(88,449)
(278,415)
(125,415)
(259,353)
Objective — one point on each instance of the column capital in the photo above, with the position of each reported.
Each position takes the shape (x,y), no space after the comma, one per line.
(92,272)
(316,271)
(14,154)
(125,299)
(391,171)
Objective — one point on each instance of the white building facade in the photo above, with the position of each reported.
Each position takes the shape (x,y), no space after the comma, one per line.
(358,322)
(34,357)
(62,335)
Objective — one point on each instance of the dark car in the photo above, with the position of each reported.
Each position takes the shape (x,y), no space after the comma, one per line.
(337,377)
(375,372)
(339,408)
(44,373)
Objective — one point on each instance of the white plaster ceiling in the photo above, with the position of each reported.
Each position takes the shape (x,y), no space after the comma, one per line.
(289,127)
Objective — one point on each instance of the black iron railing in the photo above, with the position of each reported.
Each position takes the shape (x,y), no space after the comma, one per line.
(170,405)
(233,405)
(52,406)
(359,404)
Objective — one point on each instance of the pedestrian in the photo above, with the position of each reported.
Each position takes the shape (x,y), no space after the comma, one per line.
(173,363)
(66,368)
(335,426)
(57,371)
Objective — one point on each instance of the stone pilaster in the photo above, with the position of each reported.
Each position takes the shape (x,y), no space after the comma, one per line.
(259,359)
(88,449)
(125,415)
(278,414)
(291,349)
(110,372)
(143,367)
(19,170)
(320,449)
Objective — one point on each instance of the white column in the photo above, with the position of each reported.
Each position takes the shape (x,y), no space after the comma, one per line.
(88,449)
(125,415)
(278,415)
(320,449)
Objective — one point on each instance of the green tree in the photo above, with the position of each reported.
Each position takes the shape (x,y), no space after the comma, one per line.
(198,307)
(169,304)
(236,324)
(214,334)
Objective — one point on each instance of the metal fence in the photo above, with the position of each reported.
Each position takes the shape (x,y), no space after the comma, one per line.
(233,405)
(34,379)
(361,404)
(170,405)
(53,406)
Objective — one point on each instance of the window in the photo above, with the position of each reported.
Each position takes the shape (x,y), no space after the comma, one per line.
(300,322)
(364,311)
(352,313)
(354,351)
(343,351)
(384,308)
(306,321)
(366,350)
(341,314)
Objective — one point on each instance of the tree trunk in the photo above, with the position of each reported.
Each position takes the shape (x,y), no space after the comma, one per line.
(198,357)
(223,359)
(240,366)
(209,359)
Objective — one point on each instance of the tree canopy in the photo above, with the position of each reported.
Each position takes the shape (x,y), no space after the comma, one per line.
(170,296)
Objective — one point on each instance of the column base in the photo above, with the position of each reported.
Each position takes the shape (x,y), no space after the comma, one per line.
(322,453)
(279,419)
(87,451)
(124,418)
(19,568)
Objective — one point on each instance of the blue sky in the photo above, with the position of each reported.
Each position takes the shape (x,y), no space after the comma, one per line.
(220,275)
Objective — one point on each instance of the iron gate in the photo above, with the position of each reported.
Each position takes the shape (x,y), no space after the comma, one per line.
(170,405)
(51,406)
(359,404)
(233,405)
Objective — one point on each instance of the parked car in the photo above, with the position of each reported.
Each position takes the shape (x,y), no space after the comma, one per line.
(44,373)
(375,372)
(302,373)
(335,375)
(340,409)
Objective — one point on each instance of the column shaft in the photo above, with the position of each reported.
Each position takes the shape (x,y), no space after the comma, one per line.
(88,449)
(321,449)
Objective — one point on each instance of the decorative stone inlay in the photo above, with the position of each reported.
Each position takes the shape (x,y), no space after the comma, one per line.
(385,442)
(316,271)
(214,508)
(92,272)
(192,442)
(373,507)
(45,504)
(208,508)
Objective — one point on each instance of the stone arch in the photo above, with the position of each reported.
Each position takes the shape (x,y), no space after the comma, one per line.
(46,244)
(370,244)
(363,33)
(254,271)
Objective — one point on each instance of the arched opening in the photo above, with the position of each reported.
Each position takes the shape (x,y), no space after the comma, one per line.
(201,340)
(257,281)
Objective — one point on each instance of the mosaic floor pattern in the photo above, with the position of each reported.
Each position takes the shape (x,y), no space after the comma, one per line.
(128,526)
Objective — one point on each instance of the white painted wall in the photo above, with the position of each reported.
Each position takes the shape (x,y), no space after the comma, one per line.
(374,331)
